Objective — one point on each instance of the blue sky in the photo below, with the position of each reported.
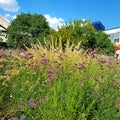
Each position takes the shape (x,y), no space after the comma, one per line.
(58,12)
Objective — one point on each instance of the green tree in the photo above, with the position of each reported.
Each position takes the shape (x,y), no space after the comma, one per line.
(76,31)
(103,43)
(84,32)
(27,29)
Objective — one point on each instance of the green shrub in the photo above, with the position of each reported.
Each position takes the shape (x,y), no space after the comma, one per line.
(48,83)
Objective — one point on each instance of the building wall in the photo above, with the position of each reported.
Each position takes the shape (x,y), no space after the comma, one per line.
(3,36)
(4,23)
(114,35)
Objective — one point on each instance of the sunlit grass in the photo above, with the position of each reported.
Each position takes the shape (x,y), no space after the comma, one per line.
(52,83)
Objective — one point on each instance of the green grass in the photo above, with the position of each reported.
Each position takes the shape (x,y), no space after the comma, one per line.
(47,84)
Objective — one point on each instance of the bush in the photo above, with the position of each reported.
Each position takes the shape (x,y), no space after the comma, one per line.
(83,31)
(46,83)
(27,29)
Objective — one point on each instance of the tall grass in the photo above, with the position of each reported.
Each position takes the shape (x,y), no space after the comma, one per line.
(49,83)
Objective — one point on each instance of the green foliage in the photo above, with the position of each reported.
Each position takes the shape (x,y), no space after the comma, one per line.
(84,32)
(47,84)
(76,31)
(103,43)
(27,29)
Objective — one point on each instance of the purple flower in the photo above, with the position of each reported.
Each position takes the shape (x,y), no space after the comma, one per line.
(65,81)
(60,57)
(14,118)
(39,101)
(101,83)
(29,56)
(31,103)
(62,96)
(97,95)
(50,78)
(55,61)
(84,78)
(1,63)
(37,67)
(81,84)
(111,90)
(50,71)
(44,60)
(43,84)
(14,86)
(59,72)
(22,117)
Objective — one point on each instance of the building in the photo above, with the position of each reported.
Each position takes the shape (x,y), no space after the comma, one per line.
(98,25)
(114,35)
(4,23)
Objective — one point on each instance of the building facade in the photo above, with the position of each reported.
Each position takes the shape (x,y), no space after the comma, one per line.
(4,23)
(114,35)
(98,26)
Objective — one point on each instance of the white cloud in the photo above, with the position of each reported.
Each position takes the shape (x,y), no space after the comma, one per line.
(10,17)
(7,15)
(14,17)
(54,22)
(9,5)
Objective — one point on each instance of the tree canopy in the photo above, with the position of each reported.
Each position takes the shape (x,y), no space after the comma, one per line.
(83,31)
(27,29)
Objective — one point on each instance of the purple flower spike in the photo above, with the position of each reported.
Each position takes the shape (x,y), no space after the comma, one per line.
(50,71)
(44,61)
(14,86)
(43,84)
(39,101)
(14,118)
(1,63)
(31,103)
(50,78)
(81,84)
(22,117)
(62,96)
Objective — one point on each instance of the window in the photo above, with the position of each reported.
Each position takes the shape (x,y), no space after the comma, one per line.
(111,36)
(117,40)
(116,35)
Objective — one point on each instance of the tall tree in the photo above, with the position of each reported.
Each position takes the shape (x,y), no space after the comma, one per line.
(27,29)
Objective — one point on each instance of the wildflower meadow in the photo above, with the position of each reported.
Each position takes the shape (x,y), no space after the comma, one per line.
(49,83)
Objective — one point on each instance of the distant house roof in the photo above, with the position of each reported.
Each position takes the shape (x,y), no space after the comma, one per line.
(4,22)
